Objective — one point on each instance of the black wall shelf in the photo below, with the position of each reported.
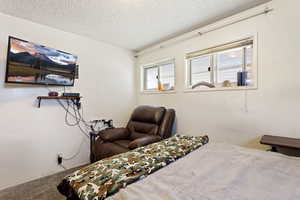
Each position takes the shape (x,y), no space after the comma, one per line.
(40,98)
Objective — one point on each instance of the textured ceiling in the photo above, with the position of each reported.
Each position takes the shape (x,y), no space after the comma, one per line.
(132,24)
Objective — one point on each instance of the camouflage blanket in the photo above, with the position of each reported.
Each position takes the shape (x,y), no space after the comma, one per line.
(106,177)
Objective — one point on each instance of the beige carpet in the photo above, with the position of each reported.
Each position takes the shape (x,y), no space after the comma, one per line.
(41,189)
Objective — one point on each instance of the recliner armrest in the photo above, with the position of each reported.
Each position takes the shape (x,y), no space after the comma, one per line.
(143,141)
(113,134)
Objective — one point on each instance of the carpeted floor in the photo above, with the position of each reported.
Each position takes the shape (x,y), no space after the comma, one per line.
(41,189)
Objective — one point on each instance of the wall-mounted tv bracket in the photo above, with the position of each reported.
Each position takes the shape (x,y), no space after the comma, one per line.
(75,100)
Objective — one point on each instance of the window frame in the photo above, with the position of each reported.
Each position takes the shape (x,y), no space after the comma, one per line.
(210,66)
(214,66)
(157,65)
(145,76)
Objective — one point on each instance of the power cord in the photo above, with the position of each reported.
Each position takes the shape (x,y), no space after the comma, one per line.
(76,154)
(63,167)
(75,116)
(84,126)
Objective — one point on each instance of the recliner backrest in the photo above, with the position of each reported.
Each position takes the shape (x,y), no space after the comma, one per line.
(146,120)
(166,127)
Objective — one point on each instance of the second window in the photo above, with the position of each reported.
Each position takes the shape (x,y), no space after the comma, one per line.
(223,66)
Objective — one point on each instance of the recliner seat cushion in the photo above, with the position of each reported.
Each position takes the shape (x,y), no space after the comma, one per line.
(107,149)
(123,143)
(140,129)
(136,135)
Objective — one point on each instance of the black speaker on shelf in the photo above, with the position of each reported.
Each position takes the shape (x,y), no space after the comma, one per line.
(70,94)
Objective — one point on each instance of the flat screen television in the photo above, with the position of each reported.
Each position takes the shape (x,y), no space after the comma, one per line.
(30,63)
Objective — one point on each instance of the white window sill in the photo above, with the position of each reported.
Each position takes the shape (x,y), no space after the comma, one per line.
(159,92)
(236,88)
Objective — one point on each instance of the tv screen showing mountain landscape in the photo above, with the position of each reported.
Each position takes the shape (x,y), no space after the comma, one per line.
(36,64)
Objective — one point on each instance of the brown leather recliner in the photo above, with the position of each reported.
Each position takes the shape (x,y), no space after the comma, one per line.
(147,125)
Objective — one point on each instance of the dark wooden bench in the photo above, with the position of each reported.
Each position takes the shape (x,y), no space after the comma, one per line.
(284,145)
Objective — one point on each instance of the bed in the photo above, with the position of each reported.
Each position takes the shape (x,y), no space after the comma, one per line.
(209,172)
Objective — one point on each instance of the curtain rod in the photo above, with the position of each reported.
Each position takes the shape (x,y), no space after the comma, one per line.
(201,33)
(266,11)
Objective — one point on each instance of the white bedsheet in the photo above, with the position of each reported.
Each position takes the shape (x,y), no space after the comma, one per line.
(221,172)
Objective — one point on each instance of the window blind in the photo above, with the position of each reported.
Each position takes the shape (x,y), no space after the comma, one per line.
(224,47)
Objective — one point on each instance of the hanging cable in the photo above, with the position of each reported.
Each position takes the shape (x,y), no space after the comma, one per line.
(246,99)
(73,110)
(73,115)
(76,154)
(77,121)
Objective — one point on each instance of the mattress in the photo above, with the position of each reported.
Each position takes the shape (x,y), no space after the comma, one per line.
(106,177)
(221,172)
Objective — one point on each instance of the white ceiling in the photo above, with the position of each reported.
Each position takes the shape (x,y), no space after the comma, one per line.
(132,24)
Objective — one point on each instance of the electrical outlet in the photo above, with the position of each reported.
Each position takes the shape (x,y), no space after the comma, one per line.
(59,159)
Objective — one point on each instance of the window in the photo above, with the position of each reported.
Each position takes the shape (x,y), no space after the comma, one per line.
(151,75)
(227,65)
(200,69)
(159,76)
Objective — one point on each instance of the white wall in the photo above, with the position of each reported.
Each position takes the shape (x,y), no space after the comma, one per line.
(31,138)
(273,108)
